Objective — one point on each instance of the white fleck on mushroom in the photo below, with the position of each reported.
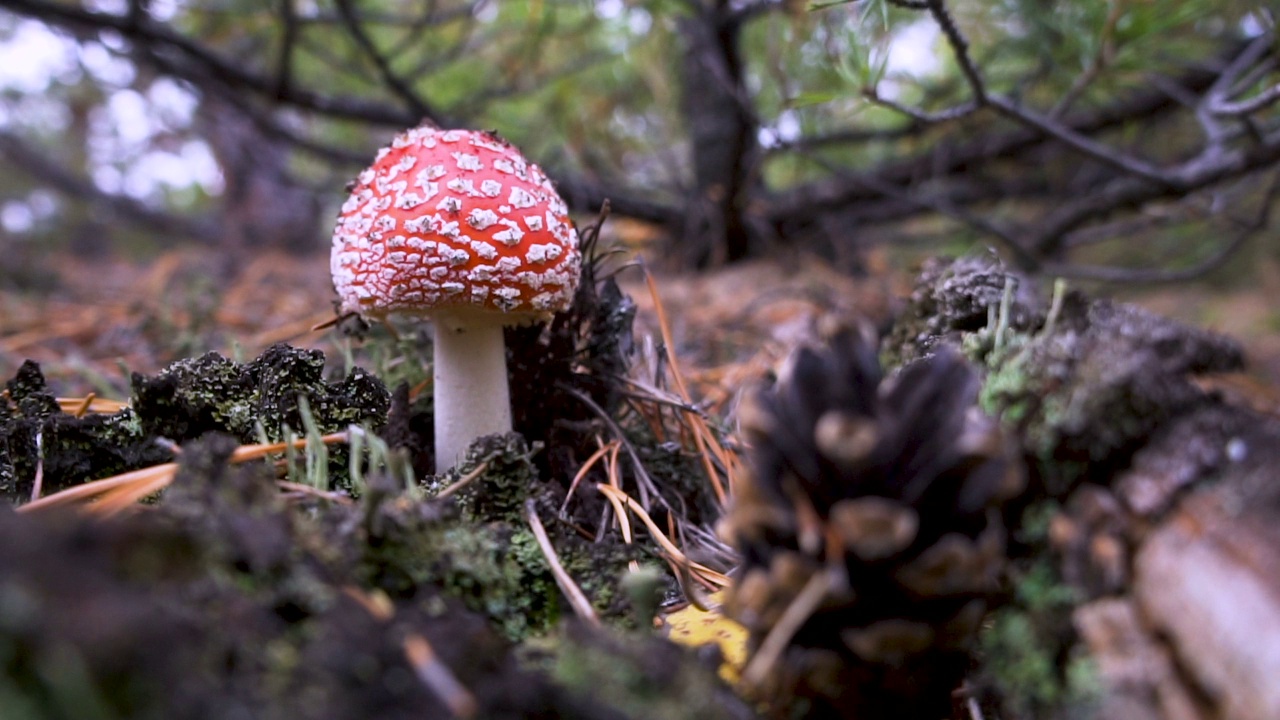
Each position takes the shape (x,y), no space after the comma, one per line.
(481,218)
(467,161)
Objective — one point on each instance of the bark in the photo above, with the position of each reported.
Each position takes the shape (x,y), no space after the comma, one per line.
(722,137)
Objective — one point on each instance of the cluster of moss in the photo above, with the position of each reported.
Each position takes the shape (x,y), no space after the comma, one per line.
(254,401)
(226,595)
(1027,655)
(68,450)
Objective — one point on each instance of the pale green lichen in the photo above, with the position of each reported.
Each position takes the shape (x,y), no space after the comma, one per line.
(1023,648)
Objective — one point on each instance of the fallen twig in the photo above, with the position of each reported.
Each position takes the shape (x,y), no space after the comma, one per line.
(577,600)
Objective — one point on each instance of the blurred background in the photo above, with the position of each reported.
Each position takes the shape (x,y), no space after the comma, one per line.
(169,169)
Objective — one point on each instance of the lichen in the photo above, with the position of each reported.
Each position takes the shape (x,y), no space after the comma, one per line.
(213,394)
(69,450)
(184,401)
(1082,391)
(1026,654)
(490,558)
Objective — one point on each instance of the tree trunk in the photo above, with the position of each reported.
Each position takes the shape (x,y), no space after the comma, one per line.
(722,134)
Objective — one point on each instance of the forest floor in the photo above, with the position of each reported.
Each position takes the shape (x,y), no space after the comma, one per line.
(91,322)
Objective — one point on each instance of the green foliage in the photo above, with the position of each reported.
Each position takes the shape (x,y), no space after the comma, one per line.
(1022,649)
(597,91)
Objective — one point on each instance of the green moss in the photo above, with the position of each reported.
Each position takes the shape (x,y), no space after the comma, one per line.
(1008,393)
(1022,665)
(493,568)
(1024,649)
(1041,591)
(499,577)
(1033,528)
(493,561)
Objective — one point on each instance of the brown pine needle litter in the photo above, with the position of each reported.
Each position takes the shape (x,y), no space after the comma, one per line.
(117,493)
(623,503)
(586,467)
(702,435)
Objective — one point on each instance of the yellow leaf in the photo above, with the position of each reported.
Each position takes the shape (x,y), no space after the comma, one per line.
(693,628)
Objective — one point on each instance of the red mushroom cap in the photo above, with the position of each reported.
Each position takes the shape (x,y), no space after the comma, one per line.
(454,219)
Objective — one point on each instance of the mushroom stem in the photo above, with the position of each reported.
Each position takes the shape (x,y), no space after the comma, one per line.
(470,378)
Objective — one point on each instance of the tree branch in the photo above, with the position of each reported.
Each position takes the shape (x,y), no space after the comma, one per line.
(1148,276)
(942,161)
(1133,192)
(415,102)
(39,166)
(195,56)
(288,39)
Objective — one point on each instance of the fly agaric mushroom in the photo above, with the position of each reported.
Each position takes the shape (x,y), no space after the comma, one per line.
(456,225)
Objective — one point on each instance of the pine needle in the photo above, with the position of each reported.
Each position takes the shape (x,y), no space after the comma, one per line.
(775,643)
(623,502)
(586,467)
(577,599)
(463,481)
(438,677)
(118,492)
(91,403)
(700,430)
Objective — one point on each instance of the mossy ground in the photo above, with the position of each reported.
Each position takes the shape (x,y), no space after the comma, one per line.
(226,595)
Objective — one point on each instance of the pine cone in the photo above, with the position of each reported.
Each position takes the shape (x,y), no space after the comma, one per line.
(869,530)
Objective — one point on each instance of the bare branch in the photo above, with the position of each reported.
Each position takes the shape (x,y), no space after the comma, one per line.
(124,208)
(984,150)
(1244,65)
(1245,231)
(415,102)
(288,39)
(851,136)
(1102,153)
(1132,192)
(1101,58)
(1262,100)
(959,47)
(193,61)
(941,205)
(920,117)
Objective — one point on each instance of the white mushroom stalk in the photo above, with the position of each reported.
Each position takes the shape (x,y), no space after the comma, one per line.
(456,225)
(469,359)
